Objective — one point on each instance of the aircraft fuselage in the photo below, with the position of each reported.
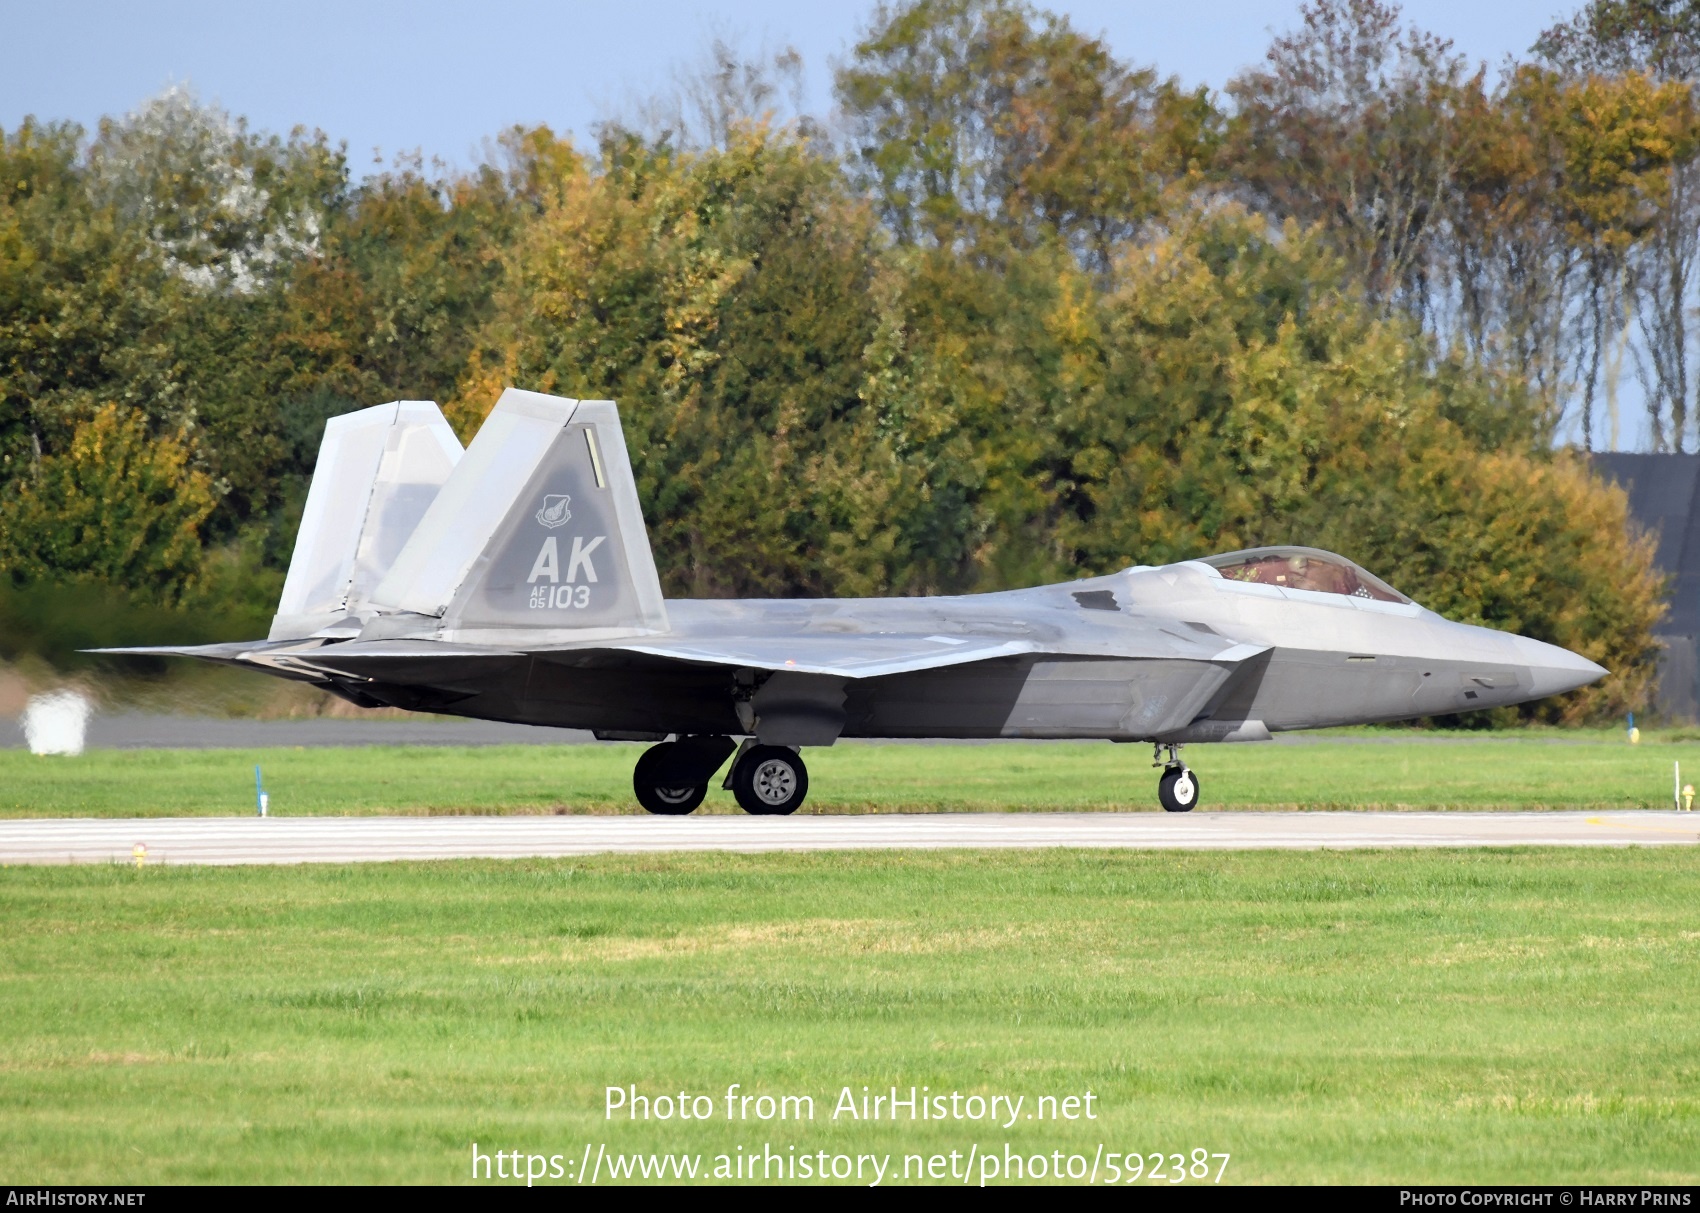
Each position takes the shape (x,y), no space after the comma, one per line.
(1330,660)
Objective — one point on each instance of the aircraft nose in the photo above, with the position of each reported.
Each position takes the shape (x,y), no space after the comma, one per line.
(1555,670)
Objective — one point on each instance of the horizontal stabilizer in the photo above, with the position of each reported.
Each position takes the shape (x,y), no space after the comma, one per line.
(271,656)
(233,651)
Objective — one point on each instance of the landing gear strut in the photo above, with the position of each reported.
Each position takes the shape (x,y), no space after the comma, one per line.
(1177,788)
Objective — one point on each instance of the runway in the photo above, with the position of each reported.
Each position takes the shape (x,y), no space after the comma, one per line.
(285,840)
(163,731)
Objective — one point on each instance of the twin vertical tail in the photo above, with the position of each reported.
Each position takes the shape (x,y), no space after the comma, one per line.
(537,528)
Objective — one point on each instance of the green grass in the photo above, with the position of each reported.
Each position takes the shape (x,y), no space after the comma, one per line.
(1435,1017)
(1380,770)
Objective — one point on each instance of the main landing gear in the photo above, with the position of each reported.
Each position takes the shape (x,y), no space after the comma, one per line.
(770,780)
(662,790)
(672,778)
(1177,788)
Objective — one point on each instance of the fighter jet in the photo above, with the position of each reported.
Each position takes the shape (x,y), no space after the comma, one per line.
(514,581)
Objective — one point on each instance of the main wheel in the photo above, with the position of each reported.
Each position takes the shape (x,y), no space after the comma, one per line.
(1177,790)
(667,800)
(770,780)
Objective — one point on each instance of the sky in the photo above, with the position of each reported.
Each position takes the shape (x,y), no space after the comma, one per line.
(441,78)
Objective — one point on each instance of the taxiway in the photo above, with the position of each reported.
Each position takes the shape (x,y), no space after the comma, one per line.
(280,840)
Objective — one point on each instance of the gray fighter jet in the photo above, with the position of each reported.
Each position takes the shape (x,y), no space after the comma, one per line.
(514,581)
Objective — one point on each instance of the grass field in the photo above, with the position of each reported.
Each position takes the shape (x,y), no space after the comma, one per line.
(1481,1016)
(1443,1017)
(1362,770)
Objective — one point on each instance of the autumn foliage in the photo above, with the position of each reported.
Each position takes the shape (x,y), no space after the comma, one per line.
(1028,313)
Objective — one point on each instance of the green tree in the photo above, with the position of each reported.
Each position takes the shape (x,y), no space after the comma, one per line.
(976,115)
(82,301)
(117,508)
(1351,123)
(1618,139)
(226,208)
(1659,39)
(723,298)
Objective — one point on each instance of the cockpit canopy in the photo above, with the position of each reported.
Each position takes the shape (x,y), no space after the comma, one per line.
(1303,569)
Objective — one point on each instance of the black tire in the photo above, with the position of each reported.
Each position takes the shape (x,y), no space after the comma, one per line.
(662,800)
(770,781)
(1177,790)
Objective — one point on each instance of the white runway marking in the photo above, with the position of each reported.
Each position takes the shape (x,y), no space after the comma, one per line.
(240,840)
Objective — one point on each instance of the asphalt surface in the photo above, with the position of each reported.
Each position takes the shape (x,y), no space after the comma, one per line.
(277,840)
(158,731)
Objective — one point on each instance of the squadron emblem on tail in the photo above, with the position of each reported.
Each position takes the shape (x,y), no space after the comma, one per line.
(555,512)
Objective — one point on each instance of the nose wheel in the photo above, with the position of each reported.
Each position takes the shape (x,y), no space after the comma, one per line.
(1177,787)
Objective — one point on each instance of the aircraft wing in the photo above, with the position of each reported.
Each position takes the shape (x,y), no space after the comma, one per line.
(878,655)
(845,656)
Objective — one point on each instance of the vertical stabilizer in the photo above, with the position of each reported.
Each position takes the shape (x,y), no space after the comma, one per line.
(378,471)
(539,528)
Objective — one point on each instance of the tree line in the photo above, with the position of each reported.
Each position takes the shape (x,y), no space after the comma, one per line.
(1016,311)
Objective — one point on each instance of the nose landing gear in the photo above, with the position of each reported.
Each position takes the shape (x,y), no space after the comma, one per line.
(1177,787)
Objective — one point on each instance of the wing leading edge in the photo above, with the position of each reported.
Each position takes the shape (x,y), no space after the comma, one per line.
(853,657)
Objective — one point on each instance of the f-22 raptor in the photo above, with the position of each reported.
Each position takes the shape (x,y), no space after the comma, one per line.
(514,581)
